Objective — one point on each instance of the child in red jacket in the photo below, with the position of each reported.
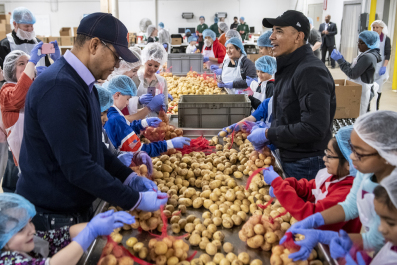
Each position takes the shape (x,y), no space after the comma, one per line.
(332,184)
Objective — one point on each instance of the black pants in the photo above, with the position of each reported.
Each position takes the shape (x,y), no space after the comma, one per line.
(10,177)
(378,101)
(200,47)
(324,53)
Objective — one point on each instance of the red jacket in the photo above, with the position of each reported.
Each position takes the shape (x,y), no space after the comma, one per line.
(219,50)
(297,198)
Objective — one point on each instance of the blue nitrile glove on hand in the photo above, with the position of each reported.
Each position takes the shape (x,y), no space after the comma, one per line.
(55,56)
(126,158)
(269,175)
(157,103)
(40,70)
(312,238)
(231,127)
(213,68)
(180,142)
(249,80)
(141,184)
(341,245)
(218,72)
(102,225)
(34,56)
(271,192)
(152,200)
(336,55)
(313,221)
(145,99)
(205,59)
(258,138)
(382,70)
(226,85)
(170,97)
(259,124)
(158,71)
(154,122)
(350,260)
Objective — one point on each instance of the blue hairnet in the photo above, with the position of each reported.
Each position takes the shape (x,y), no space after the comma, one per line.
(191,38)
(342,138)
(264,41)
(242,18)
(266,64)
(22,15)
(216,20)
(237,42)
(187,30)
(15,214)
(371,38)
(161,25)
(122,84)
(209,33)
(105,98)
(202,17)
(310,20)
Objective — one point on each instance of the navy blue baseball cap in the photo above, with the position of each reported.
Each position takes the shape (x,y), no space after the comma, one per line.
(291,18)
(110,30)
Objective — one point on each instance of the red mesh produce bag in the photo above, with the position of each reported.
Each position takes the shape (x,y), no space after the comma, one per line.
(244,127)
(163,132)
(137,162)
(289,243)
(199,144)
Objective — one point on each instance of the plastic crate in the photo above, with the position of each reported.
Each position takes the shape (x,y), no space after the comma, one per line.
(182,62)
(212,111)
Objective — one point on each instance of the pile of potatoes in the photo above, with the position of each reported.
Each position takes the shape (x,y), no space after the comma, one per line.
(280,257)
(114,255)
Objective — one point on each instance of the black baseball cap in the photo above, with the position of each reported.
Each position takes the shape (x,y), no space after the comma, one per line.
(110,30)
(291,18)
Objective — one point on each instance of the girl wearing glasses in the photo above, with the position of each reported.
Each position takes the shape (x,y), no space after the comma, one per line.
(302,198)
(374,155)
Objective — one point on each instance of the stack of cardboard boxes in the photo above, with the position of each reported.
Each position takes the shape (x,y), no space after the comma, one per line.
(132,37)
(5,26)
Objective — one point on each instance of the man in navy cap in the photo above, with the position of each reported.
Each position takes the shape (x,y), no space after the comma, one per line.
(304,100)
(64,164)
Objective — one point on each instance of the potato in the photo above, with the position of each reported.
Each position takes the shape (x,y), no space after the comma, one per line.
(217,221)
(256,262)
(238,175)
(316,262)
(219,236)
(108,260)
(276,260)
(231,257)
(285,259)
(228,247)
(190,218)
(278,250)
(244,257)
(194,239)
(205,258)
(208,222)
(131,242)
(161,260)
(196,262)
(243,237)
(160,248)
(285,226)
(237,262)
(198,202)
(143,253)
(259,229)
(218,257)
(255,242)
(172,261)
(227,222)
(138,246)
(211,249)
(271,237)
(117,237)
(176,229)
(125,261)
(237,219)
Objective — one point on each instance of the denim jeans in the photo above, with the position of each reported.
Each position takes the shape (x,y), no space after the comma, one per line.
(304,168)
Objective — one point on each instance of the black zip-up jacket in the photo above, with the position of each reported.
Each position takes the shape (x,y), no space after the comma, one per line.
(304,106)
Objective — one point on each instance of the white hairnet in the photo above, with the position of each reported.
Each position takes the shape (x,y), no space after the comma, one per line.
(22,15)
(10,65)
(150,30)
(223,26)
(126,66)
(378,130)
(390,184)
(232,33)
(382,25)
(15,214)
(156,52)
(136,49)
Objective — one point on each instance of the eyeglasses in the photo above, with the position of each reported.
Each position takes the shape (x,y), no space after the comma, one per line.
(327,157)
(116,57)
(359,156)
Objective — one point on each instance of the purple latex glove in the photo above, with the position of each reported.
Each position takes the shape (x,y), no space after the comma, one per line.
(141,184)
(55,56)
(271,192)
(154,122)
(382,70)
(34,56)
(152,200)
(180,142)
(156,104)
(218,71)
(269,175)
(350,260)
(205,59)
(145,99)
(258,138)
(341,245)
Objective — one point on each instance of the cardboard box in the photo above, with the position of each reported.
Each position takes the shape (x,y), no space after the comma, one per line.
(49,39)
(348,98)
(8,28)
(42,38)
(63,50)
(75,31)
(176,41)
(8,18)
(67,40)
(3,35)
(65,31)
(132,39)
(3,17)
(254,57)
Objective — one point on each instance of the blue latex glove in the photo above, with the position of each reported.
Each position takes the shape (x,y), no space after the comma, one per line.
(154,122)
(102,225)
(213,68)
(382,70)
(157,103)
(312,237)
(126,158)
(165,107)
(206,59)
(150,201)
(269,175)
(158,71)
(249,80)
(218,72)
(55,56)
(313,221)
(40,70)
(259,124)
(145,99)
(350,261)
(336,55)
(179,142)
(271,192)
(231,127)
(227,85)
(341,245)
(141,184)
(34,56)
(170,97)
(258,138)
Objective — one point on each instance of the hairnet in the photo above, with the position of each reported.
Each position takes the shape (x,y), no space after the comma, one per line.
(122,84)
(371,38)
(266,64)
(382,25)
(191,38)
(390,184)
(242,18)
(223,26)
(232,33)
(202,17)
(378,129)
(150,30)
(105,98)
(22,15)
(342,138)
(156,52)
(264,39)
(126,66)
(136,49)
(161,25)
(238,43)
(187,30)
(216,20)
(15,214)
(209,33)
(310,20)
(10,65)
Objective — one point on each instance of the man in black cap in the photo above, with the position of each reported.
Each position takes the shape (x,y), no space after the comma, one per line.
(64,164)
(303,101)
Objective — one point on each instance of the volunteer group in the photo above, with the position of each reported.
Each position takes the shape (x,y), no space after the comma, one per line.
(74,126)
